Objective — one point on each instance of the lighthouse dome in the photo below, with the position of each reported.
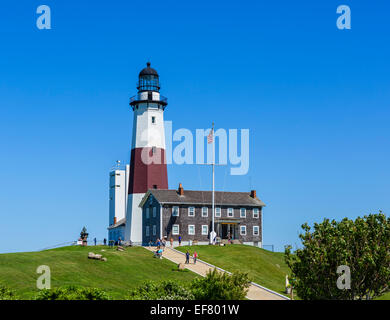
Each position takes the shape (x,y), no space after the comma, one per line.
(148,79)
(148,71)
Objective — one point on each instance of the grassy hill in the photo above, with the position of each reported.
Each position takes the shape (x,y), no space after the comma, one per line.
(264,267)
(70,266)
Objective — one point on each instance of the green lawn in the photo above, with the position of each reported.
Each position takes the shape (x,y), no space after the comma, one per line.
(70,266)
(264,267)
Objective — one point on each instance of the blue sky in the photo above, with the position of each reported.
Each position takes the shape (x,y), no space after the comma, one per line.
(315,98)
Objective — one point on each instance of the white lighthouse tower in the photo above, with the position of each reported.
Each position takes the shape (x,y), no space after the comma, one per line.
(148,169)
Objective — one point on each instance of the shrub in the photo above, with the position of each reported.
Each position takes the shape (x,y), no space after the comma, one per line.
(72,293)
(7,294)
(164,290)
(221,286)
(363,245)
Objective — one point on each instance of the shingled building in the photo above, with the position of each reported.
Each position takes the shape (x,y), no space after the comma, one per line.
(170,213)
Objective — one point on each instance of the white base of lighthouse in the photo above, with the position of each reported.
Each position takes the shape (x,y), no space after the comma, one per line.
(134,219)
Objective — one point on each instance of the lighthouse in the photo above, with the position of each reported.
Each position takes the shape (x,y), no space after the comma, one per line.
(148,169)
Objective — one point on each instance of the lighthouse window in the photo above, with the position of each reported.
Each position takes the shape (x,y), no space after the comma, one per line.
(154,149)
(153,120)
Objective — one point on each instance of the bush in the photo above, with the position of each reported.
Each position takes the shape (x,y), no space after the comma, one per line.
(72,293)
(164,290)
(7,294)
(221,286)
(363,245)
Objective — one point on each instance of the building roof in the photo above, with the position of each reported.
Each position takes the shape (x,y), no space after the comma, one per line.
(203,197)
(118,224)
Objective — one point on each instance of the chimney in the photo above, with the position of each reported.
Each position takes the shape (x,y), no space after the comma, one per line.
(253,194)
(180,190)
(114,220)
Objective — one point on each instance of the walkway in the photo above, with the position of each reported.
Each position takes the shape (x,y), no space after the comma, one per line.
(255,292)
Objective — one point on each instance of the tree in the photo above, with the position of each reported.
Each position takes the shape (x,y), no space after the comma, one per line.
(72,293)
(7,294)
(362,245)
(164,290)
(221,286)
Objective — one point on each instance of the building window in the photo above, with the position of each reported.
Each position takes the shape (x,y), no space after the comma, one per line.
(191,229)
(147,231)
(255,230)
(191,211)
(147,213)
(153,120)
(242,213)
(154,212)
(230,213)
(175,229)
(175,211)
(154,150)
(218,212)
(205,230)
(154,230)
(243,230)
(255,212)
(205,212)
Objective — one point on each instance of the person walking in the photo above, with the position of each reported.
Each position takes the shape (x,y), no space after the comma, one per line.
(94,240)
(105,241)
(195,255)
(119,241)
(187,257)
(158,243)
(171,240)
(179,240)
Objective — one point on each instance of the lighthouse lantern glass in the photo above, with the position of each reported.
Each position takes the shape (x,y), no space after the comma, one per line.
(148,83)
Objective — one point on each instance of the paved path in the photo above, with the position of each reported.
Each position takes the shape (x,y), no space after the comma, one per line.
(255,292)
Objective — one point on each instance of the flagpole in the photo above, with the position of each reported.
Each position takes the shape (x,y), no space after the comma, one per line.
(213,165)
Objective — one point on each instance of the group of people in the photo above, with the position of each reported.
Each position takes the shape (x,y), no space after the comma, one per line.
(194,257)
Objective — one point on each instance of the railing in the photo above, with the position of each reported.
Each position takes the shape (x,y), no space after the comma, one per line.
(136,98)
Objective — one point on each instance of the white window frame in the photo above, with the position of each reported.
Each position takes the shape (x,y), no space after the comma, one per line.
(189,211)
(154,212)
(147,213)
(232,213)
(243,233)
(178,229)
(154,229)
(207,212)
(147,233)
(220,210)
(178,211)
(244,213)
(256,213)
(189,226)
(258,230)
(205,233)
